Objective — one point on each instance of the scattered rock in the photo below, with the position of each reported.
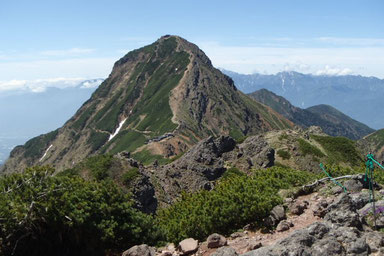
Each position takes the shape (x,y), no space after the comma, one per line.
(284,225)
(254,246)
(139,250)
(277,214)
(225,251)
(320,208)
(188,246)
(216,241)
(298,207)
(237,235)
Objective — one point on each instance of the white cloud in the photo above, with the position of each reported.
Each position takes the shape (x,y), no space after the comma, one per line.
(82,67)
(329,71)
(367,61)
(38,85)
(68,52)
(92,83)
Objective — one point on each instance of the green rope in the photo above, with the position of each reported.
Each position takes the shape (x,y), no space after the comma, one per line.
(335,181)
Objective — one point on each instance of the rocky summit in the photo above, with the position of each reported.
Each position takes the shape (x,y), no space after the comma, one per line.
(159,100)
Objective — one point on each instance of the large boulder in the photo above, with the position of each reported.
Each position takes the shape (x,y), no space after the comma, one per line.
(343,212)
(188,246)
(139,250)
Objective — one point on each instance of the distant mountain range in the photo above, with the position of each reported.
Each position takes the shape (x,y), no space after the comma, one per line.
(332,121)
(25,114)
(361,98)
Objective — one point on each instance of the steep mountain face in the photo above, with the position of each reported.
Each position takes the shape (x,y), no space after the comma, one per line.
(356,96)
(158,100)
(331,121)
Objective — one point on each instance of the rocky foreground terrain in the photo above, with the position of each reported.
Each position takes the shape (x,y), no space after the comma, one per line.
(326,221)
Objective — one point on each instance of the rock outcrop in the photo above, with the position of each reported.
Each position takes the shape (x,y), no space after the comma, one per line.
(343,232)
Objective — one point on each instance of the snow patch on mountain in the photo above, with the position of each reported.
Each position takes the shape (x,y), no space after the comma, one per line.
(45,153)
(117,130)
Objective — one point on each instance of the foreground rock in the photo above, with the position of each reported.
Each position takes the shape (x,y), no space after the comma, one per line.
(342,233)
(139,250)
(225,251)
(188,246)
(216,241)
(277,214)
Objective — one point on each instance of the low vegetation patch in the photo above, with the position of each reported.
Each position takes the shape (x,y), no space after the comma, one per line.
(42,214)
(147,158)
(283,154)
(130,175)
(308,149)
(234,202)
(339,149)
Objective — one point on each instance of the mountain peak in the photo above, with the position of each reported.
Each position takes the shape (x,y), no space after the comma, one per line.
(158,101)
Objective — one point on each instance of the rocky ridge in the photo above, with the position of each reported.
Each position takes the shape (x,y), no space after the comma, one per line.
(331,120)
(158,185)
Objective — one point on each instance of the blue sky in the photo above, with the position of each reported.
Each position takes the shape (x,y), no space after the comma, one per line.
(42,40)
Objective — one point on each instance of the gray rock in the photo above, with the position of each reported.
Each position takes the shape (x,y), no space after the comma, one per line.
(144,194)
(188,246)
(263,251)
(254,245)
(353,185)
(283,226)
(277,214)
(253,152)
(343,212)
(225,251)
(328,246)
(320,208)
(139,250)
(216,240)
(237,234)
(318,230)
(359,247)
(359,200)
(298,207)
(375,240)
